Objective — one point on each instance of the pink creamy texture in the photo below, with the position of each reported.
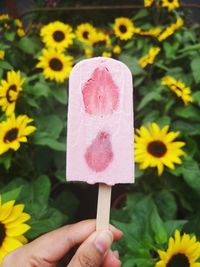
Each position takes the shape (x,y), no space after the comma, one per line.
(100,122)
(99,154)
(100,93)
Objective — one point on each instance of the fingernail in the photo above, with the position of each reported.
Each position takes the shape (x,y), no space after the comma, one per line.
(103,241)
(116,254)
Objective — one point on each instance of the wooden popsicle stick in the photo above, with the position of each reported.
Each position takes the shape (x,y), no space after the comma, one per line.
(103,207)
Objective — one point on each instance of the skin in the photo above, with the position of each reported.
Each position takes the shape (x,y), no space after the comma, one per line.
(49,249)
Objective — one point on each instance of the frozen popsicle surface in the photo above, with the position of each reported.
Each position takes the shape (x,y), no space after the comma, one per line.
(100,122)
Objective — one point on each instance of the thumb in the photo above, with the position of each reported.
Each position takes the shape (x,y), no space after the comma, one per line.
(92,251)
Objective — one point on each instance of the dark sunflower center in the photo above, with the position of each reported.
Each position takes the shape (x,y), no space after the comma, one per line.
(85,34)
(157,149)
(170,1)
(2,233)
(178,260)
(122,28)
(58,36)
(13,87)
(10,135)
(100,43)
(55,64)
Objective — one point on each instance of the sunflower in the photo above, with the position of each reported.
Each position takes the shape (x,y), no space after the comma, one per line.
(155,147)
(2,54)
(179,88)
(84,31)
(4,17)
(123,28)
(170,4)
(57,35)
(18,23)
(171,29)
(106,54)
(99,39)
(13,131)
(12,227)
(117,49)
(56,66)
(148,3)
(88,52)
(21,32)
(9,91)
(182,251)
(151,32)
(149,57)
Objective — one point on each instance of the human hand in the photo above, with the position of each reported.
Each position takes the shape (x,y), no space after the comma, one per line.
(49,249)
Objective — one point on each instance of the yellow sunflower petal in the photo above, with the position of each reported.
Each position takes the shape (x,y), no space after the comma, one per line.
(19,230)
(6,209)
(21,219)
(22,239)
(10,244)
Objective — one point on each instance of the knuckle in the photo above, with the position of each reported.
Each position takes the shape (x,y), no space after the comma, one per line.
(86,261)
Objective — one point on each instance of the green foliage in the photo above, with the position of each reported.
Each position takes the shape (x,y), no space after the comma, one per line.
(35,174)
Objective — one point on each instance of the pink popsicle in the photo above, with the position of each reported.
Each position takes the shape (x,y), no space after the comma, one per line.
(100,123)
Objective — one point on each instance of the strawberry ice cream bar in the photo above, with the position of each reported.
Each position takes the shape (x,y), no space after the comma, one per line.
(100,123)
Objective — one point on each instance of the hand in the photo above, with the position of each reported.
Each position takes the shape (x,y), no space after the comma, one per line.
(49,249)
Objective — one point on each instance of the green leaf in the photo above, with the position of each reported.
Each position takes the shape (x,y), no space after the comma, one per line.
(11,195)
(148,98)
(50,220)
(41,189)
(195,66)
(138,80)
(164,120)
(5,65)
(170,49)
(67,203)
(132,63)
(45,140)
(10,36)
(173,225)
(152,115)
(192,147)
(188,112)
(131,202)
(26,189)
(189,48)
(51,124)
(166,204)
(158,227)
(138,171)
(140,15)
(175,71)
(60,94)
(61,176)
(196,97)
(191,174)
(135,261)
(40,89)
(31,102)
(28,45)
(6,160)
(141,213)
(186,127)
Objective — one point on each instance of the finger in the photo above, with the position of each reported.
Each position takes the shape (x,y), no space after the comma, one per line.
(93,250)
(53,246)
(112,259)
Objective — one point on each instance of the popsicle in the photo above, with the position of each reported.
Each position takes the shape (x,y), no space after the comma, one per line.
(100,125)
